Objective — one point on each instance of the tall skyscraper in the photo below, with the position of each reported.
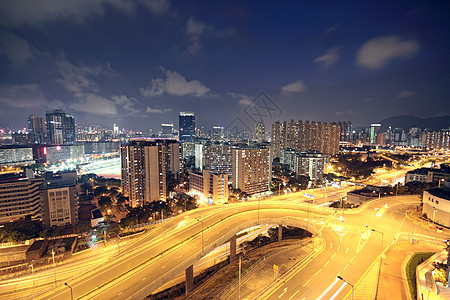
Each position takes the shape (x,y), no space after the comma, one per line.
(167,130)
(37,130)
(217,134)
(346,131)
(252,169)
(60,127)
(187,126)
(374,130)
(260,132)
(145,163)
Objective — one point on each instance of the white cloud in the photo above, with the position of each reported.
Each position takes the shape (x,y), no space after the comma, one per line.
(78,79)
(95,104)
(329,57)
(14,47)
(367,99)
(378,52)
(243,99)
(174,84)
(405,94)
(21,12)
(157,110)
(157,7)
(22,96)
(295,87)
(127,103)
(195,30)
(333,29)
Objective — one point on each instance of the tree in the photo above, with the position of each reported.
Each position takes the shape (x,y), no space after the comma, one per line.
(105,202)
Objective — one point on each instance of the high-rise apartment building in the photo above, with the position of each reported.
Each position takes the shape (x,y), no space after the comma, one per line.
(309,163)
(19,197)
(59,199)
(37,130)
(187,126)
(60,127)
(346,131)
(145,163)
(217,158)
(304,136)
(260,132)
(252,169)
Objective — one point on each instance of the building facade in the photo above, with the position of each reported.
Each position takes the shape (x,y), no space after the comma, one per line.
(210,185)
(304,136)
(251,169)
(186,126)
(309,163)
(144,164)
(37,130)
(217,158)
(436,205)
(19,197)
(260,132)
(59,199)
(60,127)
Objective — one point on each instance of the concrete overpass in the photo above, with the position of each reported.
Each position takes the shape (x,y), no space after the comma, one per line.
(178,244)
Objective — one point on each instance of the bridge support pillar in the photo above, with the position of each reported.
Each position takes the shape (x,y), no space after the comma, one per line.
(233,249)
(280,232)
(189,279)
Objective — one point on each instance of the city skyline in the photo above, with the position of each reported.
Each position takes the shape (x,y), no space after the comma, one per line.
(139,63)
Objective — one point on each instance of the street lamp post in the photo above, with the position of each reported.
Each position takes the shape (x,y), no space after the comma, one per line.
(434,215)
(353,288)
(71,291)
(54,267)
(32,271)
(202,232)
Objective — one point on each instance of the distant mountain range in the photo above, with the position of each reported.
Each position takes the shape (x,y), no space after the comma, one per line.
(407,122)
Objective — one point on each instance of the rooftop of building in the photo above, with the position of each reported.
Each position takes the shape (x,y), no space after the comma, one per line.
(421,171)
(442,192)
(37,245)
(96,214)
(59,180)
(150,141)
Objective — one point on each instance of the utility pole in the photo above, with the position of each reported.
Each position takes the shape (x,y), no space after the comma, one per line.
(54,267)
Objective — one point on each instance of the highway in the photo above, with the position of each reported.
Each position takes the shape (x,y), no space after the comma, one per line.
(158,256)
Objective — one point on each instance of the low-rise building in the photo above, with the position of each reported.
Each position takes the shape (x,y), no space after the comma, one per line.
(436,204)
(420,175)
(210,185)
(309,163)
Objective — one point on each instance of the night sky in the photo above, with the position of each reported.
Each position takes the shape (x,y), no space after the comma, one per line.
(139,63)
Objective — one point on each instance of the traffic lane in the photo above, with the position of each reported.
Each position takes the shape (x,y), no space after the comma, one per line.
(136,288)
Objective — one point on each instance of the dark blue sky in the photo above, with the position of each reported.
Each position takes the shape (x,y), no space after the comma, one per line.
(138,63)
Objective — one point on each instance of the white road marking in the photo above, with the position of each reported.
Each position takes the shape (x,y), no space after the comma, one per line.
(284,292)
(307,282)
(331,245)
(353,258)
(338,291)
(317,273)
(119,294)
(346,267)
(328,289)
(346,251)
(333,256)
(293,295)
(143,279)
(326,263)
